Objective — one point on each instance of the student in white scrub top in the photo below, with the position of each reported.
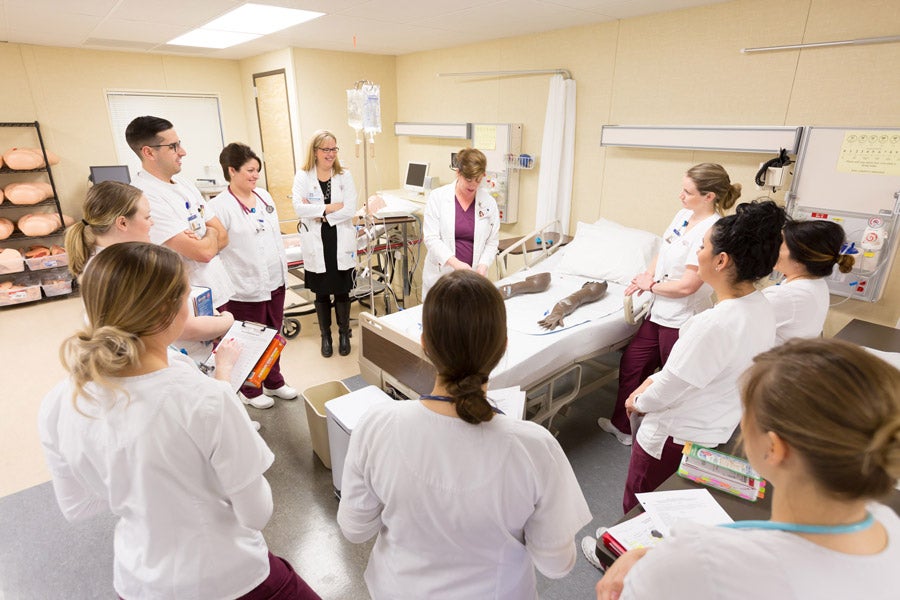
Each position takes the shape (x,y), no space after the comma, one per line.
(182,220)
(828,536)
(255,259)
(809,252)
(678,292)
(694,398)
(113,213)
(136,429)
(464,502)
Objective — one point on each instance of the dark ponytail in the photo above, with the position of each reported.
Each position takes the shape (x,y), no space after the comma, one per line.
(464,335)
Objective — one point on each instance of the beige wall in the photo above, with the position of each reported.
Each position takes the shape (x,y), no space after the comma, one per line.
(64,89)
(322,78)
(682,67)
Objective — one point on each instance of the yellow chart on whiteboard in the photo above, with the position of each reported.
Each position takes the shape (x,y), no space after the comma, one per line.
(870,152)
(485,137)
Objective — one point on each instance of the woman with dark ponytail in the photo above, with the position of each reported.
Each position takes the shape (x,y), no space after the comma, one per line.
(465,501)
(809,252)
(695,398)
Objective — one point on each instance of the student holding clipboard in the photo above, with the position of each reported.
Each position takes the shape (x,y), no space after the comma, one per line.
(137,430)
(828,537)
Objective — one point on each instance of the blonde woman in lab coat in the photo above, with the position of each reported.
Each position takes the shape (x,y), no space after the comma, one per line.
(324,198)
(462,223)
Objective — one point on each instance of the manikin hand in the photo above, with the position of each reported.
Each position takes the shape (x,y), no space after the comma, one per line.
(589,292)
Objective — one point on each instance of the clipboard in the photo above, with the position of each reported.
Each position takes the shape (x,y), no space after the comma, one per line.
(254,339)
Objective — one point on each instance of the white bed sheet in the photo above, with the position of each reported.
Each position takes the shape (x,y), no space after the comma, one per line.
(533,353)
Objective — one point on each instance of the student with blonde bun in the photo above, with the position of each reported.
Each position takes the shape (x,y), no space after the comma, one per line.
(464,502)
(136,429)
(672,278)
(809,252)
(115,212)
(828,536)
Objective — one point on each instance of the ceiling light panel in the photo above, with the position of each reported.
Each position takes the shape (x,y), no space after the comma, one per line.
(204,38)
(261,19)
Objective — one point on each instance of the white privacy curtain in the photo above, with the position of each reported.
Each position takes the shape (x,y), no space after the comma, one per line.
(554,199)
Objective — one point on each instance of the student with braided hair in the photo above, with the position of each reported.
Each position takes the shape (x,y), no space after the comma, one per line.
(465,502)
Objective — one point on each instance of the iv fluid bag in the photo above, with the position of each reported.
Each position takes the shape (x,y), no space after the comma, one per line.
(355,101)
(371,114)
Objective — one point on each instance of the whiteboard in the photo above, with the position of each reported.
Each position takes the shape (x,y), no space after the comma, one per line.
(197,120)
(818,182)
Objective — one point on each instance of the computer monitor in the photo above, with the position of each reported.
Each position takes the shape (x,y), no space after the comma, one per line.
(111,173)
(415,176)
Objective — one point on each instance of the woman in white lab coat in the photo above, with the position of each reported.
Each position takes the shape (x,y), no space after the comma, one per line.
(462,223)
(808,254)
(324,198)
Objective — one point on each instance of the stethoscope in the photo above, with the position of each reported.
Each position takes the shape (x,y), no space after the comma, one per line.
(452,400)
(862,525)
(269,208)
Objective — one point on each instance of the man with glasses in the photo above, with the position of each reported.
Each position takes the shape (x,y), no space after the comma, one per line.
(182,220)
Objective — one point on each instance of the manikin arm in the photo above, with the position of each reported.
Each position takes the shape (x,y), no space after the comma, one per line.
(533,284)
(589,292)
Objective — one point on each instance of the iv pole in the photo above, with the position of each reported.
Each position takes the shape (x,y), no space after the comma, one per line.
(357,87)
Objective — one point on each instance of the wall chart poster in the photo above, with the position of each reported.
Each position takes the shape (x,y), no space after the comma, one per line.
(870,152)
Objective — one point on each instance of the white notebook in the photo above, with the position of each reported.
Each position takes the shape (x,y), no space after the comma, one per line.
(253,338)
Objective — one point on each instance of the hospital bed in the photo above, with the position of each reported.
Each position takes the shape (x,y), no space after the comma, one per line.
(553,368)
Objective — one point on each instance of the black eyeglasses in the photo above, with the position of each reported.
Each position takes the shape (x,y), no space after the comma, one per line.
(174,146)
(329,150)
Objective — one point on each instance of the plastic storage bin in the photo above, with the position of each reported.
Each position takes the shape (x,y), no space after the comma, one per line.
(47,262)
(24,289)
(316,396)
(56,284)
(343,415)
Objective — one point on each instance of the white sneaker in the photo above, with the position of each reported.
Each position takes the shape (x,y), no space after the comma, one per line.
(258,402)
(255,425)
(607,426)
(285,392)
(589,549)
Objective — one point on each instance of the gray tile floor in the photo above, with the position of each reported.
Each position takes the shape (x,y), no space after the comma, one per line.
(44,557)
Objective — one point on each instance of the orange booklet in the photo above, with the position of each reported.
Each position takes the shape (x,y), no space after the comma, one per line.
(262,367)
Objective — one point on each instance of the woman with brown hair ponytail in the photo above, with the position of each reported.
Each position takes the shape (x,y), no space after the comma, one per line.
(465,501)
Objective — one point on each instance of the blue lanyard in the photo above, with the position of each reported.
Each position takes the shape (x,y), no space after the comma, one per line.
(798,528)
(452,400)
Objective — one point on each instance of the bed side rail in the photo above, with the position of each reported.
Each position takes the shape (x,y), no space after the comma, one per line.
(530,258)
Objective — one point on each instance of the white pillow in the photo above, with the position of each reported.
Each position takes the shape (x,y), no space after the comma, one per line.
(609,251)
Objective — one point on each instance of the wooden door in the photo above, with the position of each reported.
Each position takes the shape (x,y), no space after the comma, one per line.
(277,142)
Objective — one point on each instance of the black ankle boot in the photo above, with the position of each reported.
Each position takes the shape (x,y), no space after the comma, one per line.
(323,312)
(342,312)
